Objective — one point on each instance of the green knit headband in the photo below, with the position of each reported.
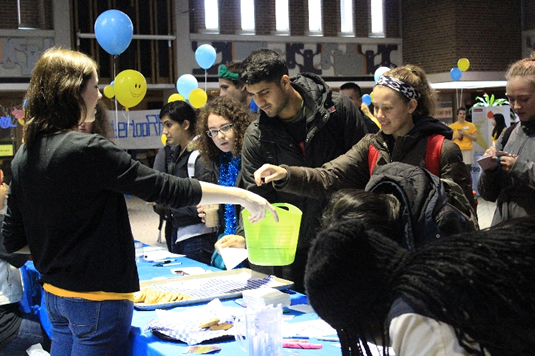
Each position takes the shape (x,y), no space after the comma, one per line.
(226,74)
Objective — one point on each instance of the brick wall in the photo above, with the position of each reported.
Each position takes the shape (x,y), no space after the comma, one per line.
(361,17)
(529,15)
(298,17)
(29,14)
(36,14)
(391,18)
(197,19)
(331,17)
(436,34)
(265,17)
(229,17)
(8,9)
(45,15)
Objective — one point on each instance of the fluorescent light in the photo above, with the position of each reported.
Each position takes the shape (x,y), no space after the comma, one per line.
(472,84)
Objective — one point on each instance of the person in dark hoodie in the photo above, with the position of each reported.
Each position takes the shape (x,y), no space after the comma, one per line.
(403,102)
(301,121)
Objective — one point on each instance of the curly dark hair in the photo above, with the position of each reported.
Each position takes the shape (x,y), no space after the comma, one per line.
(263,65)
(480,283)
(230,109)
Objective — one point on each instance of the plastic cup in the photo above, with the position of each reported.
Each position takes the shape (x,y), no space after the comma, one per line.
(211,217)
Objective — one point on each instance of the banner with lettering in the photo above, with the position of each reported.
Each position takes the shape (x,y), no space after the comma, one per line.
(136,129)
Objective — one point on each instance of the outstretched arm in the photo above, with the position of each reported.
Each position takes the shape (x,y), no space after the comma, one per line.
(257,206)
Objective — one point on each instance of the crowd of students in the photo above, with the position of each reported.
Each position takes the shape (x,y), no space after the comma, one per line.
(275,138)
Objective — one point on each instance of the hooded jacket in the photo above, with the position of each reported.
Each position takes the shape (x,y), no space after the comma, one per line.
(352,169)
(333,126)
(426,213)
(513,191)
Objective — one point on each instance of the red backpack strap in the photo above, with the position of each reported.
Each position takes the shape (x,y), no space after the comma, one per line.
(432,153)
(373,155)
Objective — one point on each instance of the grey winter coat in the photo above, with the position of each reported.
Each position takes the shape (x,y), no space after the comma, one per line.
(513,192)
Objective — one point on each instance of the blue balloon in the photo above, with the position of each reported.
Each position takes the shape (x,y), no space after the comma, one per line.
(367,99)
(205,56)
(379,72)
(114,31)
(456,74)
(185,84)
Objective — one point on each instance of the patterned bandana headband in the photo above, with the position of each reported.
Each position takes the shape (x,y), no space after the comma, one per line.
(226,74)
(394,83)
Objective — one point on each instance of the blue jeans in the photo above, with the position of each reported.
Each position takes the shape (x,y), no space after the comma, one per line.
(198,248)
(30,333)
(84,327)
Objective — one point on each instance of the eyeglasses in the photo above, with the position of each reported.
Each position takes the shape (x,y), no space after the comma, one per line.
(214,132)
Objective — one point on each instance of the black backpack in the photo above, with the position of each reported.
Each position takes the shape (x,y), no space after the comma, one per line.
(431,207)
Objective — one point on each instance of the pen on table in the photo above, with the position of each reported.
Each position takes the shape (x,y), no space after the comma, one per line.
(295,340)
(299,345)
(297,337)
(162,261)
(161,264)
(333,339)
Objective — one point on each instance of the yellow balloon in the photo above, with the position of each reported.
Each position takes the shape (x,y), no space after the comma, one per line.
(164,139)
(463,64)
(109,92)
(176,97)
(197,98)
(130,87)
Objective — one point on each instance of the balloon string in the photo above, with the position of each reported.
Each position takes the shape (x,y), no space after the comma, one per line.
(115,99)
(205,79)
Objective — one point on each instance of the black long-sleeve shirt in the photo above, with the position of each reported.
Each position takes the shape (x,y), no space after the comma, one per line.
(66,201)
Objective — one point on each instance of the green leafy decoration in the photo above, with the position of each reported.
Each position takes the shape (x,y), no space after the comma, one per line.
(489,101)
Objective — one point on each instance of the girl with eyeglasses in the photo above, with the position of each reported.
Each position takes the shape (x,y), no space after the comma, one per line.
(221,126)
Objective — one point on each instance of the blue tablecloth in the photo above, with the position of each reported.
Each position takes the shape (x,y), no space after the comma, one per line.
(144,343)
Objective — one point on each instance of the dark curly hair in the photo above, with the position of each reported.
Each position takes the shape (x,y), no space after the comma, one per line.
(480,283)
(263,65)
(230,109)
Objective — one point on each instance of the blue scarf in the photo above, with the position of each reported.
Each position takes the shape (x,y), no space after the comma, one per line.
(229,167)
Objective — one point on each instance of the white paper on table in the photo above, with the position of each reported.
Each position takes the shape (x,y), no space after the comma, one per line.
(302,308)
(311,328)
(155,253)
(233,256)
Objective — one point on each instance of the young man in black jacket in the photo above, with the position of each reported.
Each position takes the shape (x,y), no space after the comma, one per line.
(301,122)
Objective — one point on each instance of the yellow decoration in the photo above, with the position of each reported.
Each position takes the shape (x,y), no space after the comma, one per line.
(109,92)
(130,88)
(463,64)
(197,98)
(176,97)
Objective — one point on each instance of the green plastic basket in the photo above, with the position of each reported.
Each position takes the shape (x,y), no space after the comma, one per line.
(270,243)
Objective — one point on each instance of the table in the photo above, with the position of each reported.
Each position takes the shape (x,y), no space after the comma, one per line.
(144,343)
